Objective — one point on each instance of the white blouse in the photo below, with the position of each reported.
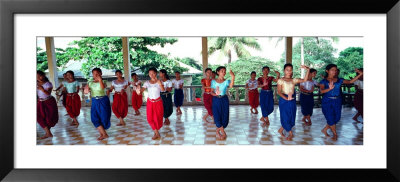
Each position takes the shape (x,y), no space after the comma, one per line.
(167,84)
(177,83)
(119,86)
(135,84)
(308,84)
(152,89)
(252,84)
(46,86)
(359,83)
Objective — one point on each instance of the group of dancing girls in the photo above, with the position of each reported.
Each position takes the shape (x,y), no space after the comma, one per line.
(47,110)
(330,87)
(216,102)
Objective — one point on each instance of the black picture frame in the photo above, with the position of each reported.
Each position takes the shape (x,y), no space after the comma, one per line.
(8,8)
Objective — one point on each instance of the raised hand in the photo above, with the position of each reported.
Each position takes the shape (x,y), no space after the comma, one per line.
(231,73)
(290,96)
(358,71)
(217,91)
(331,85)
(305,67)
(40,87)
(277,72)
(138,90)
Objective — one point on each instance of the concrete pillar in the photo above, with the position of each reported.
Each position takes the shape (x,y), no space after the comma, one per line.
(52,62)
(127,65)
(289,44)
(204,50)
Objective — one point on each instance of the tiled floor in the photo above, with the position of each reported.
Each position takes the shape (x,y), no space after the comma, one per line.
(189,129)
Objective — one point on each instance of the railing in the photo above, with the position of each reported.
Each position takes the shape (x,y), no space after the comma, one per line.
(193,95)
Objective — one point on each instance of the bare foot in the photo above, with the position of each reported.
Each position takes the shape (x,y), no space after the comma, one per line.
(73,124)
(280,131)
(219,134)
(251,110)
(166,122)
(46,136)
(223,135)
(304,120)
(267,120)
(264,124)
(100,138)
(256,112)
(324,131)
(309,123)
(356,120)
(262,119)
(155,137)
(289,138)
(120,124)
(334,138)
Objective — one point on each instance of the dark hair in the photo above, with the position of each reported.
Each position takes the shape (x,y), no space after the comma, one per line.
(41,73)
(72,73)
(118,71)
(133,74)
(214,72)
(328,67)
(361,69)
(253,72)
(286,65)
(219,68)
(165,73)
(178,72)
(97,69)
(207,70)
(265,67)
(153,69)
(312,70)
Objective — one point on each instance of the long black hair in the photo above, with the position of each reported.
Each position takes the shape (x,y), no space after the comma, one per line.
(41,73)
(219,68)
(165,73)
(72,73)
(328,67)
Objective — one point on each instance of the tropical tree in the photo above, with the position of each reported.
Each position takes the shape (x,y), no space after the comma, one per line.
(62,58)
(228,44)
(348,60)
(106,52)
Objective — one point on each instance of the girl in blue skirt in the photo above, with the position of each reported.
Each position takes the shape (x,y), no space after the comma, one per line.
(100,111)
(178,92)
(220,101)
(331,100)
(287,100)
(307,97)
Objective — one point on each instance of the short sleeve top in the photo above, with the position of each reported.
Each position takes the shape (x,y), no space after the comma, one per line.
(167,84)
(288,86)
(46,86)
(207,83)
(95,88)
(177,83)
(118,86)
(152,89)
(268,82)
(71,87)
(252,84)
(221,86)
(360,84)
(308,84)
(335,92)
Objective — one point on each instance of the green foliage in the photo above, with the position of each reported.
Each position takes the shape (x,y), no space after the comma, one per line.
(62,58)
(106,52)
(191,62)
(349,59)
(317,54)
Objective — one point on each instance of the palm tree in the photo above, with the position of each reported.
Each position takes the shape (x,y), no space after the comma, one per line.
(228,44)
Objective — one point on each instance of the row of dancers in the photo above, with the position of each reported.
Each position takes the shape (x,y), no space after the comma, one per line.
(159,101)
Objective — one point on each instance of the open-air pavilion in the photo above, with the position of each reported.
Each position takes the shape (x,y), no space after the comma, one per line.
(189,128)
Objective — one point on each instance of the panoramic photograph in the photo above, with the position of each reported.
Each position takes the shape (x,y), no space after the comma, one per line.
(199,91)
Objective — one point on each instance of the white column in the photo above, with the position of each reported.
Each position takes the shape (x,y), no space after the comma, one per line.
(51,62)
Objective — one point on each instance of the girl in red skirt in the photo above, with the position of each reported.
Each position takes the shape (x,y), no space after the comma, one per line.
(252,85)
(120,101)
(47,111)
(73,101)
(154,106)
(137,100)
(358,97)
(207,97)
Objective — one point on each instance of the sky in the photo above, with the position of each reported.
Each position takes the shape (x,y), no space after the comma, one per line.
(191,47)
